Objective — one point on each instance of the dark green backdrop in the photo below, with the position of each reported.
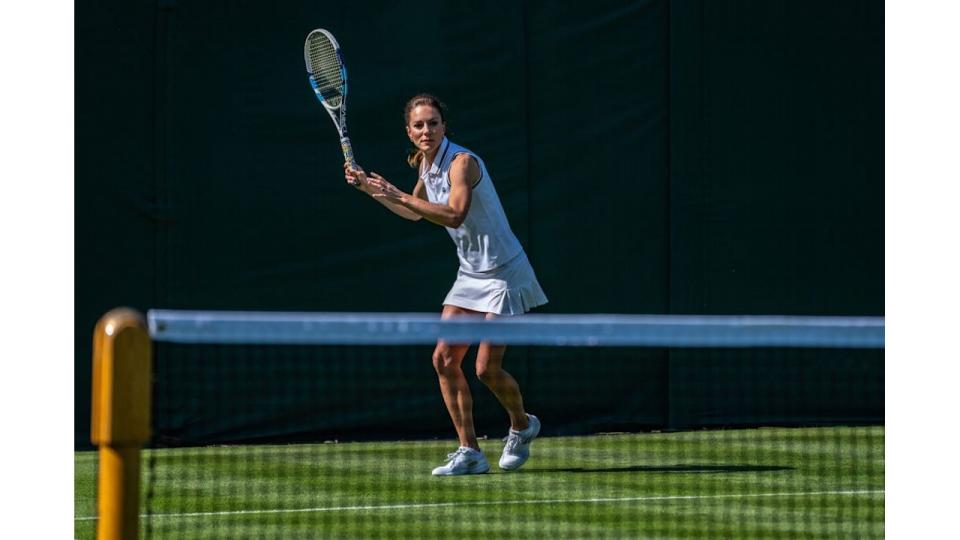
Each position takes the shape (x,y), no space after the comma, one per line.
(652,156)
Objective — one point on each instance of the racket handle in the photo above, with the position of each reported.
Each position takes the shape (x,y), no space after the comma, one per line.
(348,155)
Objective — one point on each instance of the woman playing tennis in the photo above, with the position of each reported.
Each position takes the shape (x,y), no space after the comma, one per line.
(495,278)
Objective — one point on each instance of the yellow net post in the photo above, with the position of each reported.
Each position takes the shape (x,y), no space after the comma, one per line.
(120,423)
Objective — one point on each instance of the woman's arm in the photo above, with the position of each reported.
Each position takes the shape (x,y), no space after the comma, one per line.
(464,172)
(359,179)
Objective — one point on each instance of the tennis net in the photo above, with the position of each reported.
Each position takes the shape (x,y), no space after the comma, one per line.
(327,425)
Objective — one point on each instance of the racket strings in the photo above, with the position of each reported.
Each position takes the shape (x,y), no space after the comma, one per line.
(326,69)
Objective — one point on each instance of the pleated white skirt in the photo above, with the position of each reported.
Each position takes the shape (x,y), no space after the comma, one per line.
(511,289)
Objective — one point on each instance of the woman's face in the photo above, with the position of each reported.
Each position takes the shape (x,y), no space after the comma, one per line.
(425,128)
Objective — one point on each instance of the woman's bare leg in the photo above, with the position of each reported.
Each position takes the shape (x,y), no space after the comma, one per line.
(453,385)
(490,371)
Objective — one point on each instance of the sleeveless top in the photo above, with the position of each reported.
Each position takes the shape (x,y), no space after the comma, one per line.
(484,240)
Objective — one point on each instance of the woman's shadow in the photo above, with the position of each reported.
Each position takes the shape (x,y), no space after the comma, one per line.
(695,468)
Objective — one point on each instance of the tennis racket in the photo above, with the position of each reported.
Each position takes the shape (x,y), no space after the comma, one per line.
(328,77)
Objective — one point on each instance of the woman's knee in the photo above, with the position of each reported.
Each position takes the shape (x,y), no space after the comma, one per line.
(490,363)
(488,373)
(444,361)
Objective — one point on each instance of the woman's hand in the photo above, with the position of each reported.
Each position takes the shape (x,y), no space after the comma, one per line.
(379,188)
(355,176)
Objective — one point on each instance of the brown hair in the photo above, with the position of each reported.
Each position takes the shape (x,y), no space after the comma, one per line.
(414,156)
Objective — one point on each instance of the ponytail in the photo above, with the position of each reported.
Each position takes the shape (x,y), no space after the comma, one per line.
(414,157)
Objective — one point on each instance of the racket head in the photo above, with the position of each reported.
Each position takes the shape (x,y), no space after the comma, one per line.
(324,61)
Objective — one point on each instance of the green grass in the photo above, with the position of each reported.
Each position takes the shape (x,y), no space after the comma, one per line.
(758,483)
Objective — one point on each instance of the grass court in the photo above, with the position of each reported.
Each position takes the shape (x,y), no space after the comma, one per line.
(750,483)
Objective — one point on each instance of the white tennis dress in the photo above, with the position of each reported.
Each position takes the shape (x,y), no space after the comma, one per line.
(495,275)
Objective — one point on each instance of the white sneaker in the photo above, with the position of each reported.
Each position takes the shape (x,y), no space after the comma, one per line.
(517,450)
(464,461)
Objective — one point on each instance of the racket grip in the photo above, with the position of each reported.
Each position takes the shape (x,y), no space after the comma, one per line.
(348,155)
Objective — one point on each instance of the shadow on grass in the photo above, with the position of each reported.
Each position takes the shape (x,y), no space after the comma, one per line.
(710,469)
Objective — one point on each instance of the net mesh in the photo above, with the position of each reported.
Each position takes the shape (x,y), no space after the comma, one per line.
(324,63)
(272,425)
